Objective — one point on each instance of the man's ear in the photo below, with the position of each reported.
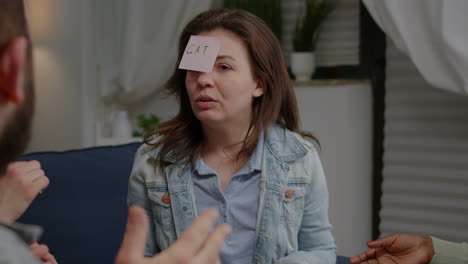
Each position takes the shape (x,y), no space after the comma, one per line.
(12,68)
(260,89)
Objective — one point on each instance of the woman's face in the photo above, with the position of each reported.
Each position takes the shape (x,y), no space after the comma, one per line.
(224,96)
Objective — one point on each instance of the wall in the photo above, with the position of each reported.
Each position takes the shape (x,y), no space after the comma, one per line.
(57,54)
(341,118)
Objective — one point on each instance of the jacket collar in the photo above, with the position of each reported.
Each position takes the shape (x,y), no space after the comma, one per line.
(153,152)
(284,144)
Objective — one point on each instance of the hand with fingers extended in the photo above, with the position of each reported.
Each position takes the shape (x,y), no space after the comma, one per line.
(41,252)
(397,249)
(19,186)
(197,245)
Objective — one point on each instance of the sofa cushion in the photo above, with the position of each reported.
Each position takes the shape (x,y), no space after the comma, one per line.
(83,211)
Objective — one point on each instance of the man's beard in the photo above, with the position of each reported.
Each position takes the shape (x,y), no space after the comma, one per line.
(17,131)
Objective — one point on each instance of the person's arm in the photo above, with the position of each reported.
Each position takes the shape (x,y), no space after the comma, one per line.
(19,186)
(446,252)
(316,244)
(412,248)
(197,245)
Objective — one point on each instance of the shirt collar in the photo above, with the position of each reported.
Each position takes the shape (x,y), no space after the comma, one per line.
(253,164)
(201,168)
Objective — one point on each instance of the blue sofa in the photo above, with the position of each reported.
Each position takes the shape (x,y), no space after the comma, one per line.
(83,211)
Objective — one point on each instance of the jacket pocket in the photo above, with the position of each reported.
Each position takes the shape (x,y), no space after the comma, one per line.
(161,205)
(293,205)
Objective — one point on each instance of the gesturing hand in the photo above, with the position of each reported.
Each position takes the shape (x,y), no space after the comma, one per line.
(21,183)
(197,245)
(41,252)
(397,248)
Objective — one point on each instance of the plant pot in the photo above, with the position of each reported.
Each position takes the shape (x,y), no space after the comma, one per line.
(121,125)
(303,65)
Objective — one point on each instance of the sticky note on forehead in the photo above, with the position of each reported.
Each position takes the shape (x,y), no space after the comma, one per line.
(200,54)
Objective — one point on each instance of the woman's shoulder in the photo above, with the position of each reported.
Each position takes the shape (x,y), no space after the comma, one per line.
(278,132)
(147,150)
(145,163)
(150,152)
(309,143)
(150,148)
(287,145)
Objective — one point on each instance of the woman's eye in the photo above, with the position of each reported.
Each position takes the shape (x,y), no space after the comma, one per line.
(224,67)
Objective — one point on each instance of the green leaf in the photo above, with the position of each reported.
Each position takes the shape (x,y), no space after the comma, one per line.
(268,10)
(148,124)
(309,23)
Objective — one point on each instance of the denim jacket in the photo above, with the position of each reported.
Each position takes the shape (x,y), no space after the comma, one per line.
(292,221)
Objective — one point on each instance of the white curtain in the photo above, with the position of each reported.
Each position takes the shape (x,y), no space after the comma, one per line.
(433,33)
(137,42)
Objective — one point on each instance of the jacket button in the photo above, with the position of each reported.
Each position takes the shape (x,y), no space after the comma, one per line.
(180,174)
(166,199)
(289,193)
(185,208)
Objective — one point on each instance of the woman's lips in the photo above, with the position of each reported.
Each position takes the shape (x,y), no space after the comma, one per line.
(203,105)
(205,102)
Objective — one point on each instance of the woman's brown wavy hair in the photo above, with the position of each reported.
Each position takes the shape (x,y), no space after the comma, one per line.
(182,136)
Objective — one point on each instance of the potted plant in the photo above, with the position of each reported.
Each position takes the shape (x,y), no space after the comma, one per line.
(306,34)
(146,124)
(268,10)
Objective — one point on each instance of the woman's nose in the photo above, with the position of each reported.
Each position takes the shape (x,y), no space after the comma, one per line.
(205,79)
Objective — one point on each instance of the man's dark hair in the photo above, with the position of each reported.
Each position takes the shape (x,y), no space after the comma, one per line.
(12,21)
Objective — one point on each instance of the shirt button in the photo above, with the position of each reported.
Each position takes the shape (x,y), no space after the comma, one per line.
(166,198)
(185,208)
(289,193)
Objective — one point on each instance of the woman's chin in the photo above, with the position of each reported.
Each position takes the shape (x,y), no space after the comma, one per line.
(209,119)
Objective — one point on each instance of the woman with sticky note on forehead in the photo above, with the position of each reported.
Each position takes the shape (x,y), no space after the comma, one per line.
(236,146)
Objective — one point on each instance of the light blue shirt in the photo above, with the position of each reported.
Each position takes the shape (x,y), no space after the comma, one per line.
(237,205)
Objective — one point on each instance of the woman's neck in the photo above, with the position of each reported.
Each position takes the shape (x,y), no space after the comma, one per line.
(216,139)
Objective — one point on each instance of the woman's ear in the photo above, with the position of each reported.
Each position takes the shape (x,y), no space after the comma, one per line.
(260,89)
(12,68)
